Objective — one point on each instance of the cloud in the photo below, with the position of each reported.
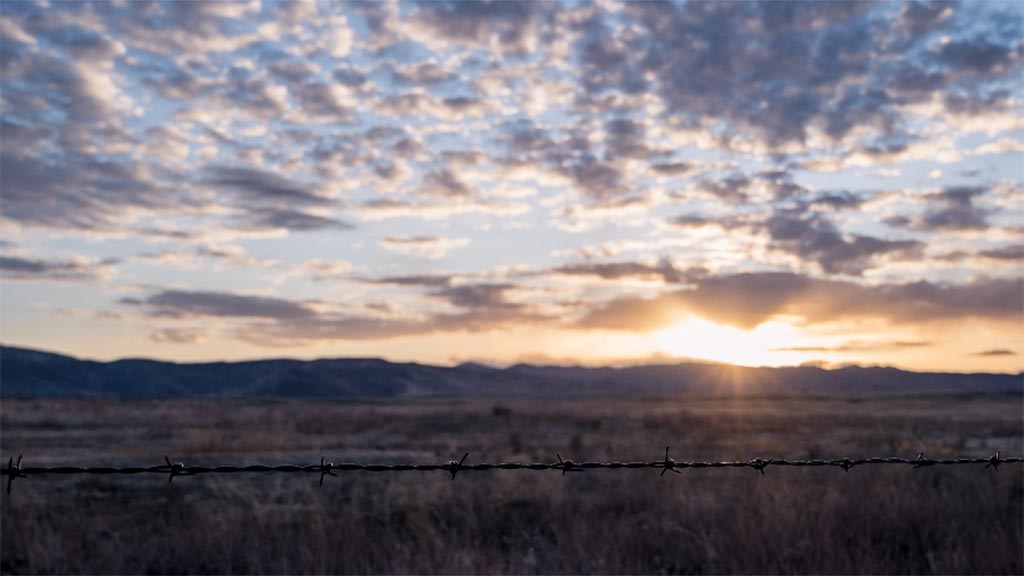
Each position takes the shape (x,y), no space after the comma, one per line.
(1013,253)
(422,73)
(326,271)
(351,77)
(293,71)
(625,138)
(187,303)
(738,188)
(803,230)
(275,321)
(427,280)
(274,218)
(620,211)
(507,26)
(385,208)
(664,271)
(257,185)
(746,300)
(1004,255)
(732,189)
(979,57)
(269,201)
(330,328)
(177,336)
(597,180)
(952,209)
(72,270)
(524,137)
(490,296)
(995,352)
(858,346)
(419,103)
(839,200)
(431,247)
(919,18)
(444,183)
(243,91)
(672,168)
(220,253)
(88,193)
(780,74)
(1001,146)
(956,210)
(699,221)
(816,239)
(323,101)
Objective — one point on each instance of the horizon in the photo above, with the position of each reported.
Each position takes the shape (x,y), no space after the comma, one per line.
(554,363)
(754,184)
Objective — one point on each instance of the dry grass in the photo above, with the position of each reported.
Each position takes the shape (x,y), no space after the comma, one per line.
(870,520)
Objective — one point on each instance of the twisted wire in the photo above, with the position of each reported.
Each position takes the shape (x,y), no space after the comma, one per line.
(453,467)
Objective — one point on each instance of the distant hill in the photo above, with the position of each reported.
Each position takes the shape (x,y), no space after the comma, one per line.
(30,373)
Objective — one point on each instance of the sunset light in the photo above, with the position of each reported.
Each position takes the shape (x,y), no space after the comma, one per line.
(700,339)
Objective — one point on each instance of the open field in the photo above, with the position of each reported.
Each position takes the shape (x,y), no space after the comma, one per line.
(880,519)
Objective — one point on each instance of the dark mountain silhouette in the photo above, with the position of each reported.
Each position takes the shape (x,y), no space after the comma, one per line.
(26,372)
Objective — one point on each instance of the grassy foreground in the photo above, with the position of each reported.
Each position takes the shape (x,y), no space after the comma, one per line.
(870,520)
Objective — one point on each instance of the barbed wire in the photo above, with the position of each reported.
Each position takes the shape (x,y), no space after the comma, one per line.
(453,467)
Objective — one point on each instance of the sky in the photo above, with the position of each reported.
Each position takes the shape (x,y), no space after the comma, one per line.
(777,183)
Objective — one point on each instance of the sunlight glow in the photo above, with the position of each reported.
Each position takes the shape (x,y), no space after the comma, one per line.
(699,338)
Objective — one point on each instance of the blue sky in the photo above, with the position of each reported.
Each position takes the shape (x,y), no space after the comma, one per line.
(758,183)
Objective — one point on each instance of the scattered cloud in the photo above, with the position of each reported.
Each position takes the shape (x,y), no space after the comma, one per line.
(665,271)
(953,209)
(245,162)
(189,303)
(816,239)
(67,270)
(272,321)
(177,336)
(386,208)
(431,247)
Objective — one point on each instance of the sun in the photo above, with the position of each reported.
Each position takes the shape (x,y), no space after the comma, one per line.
(699,338)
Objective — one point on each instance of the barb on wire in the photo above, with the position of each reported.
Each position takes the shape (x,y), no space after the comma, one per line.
(994,462)
(13,471)
(567,465)
(453,467)
(921,461)
(669,464)
(327,468)
(175,468)
(846,464)
(759,464)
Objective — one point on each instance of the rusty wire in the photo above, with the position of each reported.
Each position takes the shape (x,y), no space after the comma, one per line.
(453,467)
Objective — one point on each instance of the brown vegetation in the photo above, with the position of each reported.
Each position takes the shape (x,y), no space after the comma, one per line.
(870,520)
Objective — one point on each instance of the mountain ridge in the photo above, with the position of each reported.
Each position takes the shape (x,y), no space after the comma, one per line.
(28,372)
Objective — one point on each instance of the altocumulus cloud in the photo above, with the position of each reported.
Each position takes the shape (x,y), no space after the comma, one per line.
(432,247)
(55,270)
(636,163)
(275,321)
(185,303)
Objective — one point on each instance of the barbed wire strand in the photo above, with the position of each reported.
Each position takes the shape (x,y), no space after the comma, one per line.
(453,467)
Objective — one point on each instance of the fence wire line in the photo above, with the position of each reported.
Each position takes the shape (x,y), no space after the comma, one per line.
(453,467)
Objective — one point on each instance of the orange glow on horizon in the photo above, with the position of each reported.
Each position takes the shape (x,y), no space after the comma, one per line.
(699,338)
